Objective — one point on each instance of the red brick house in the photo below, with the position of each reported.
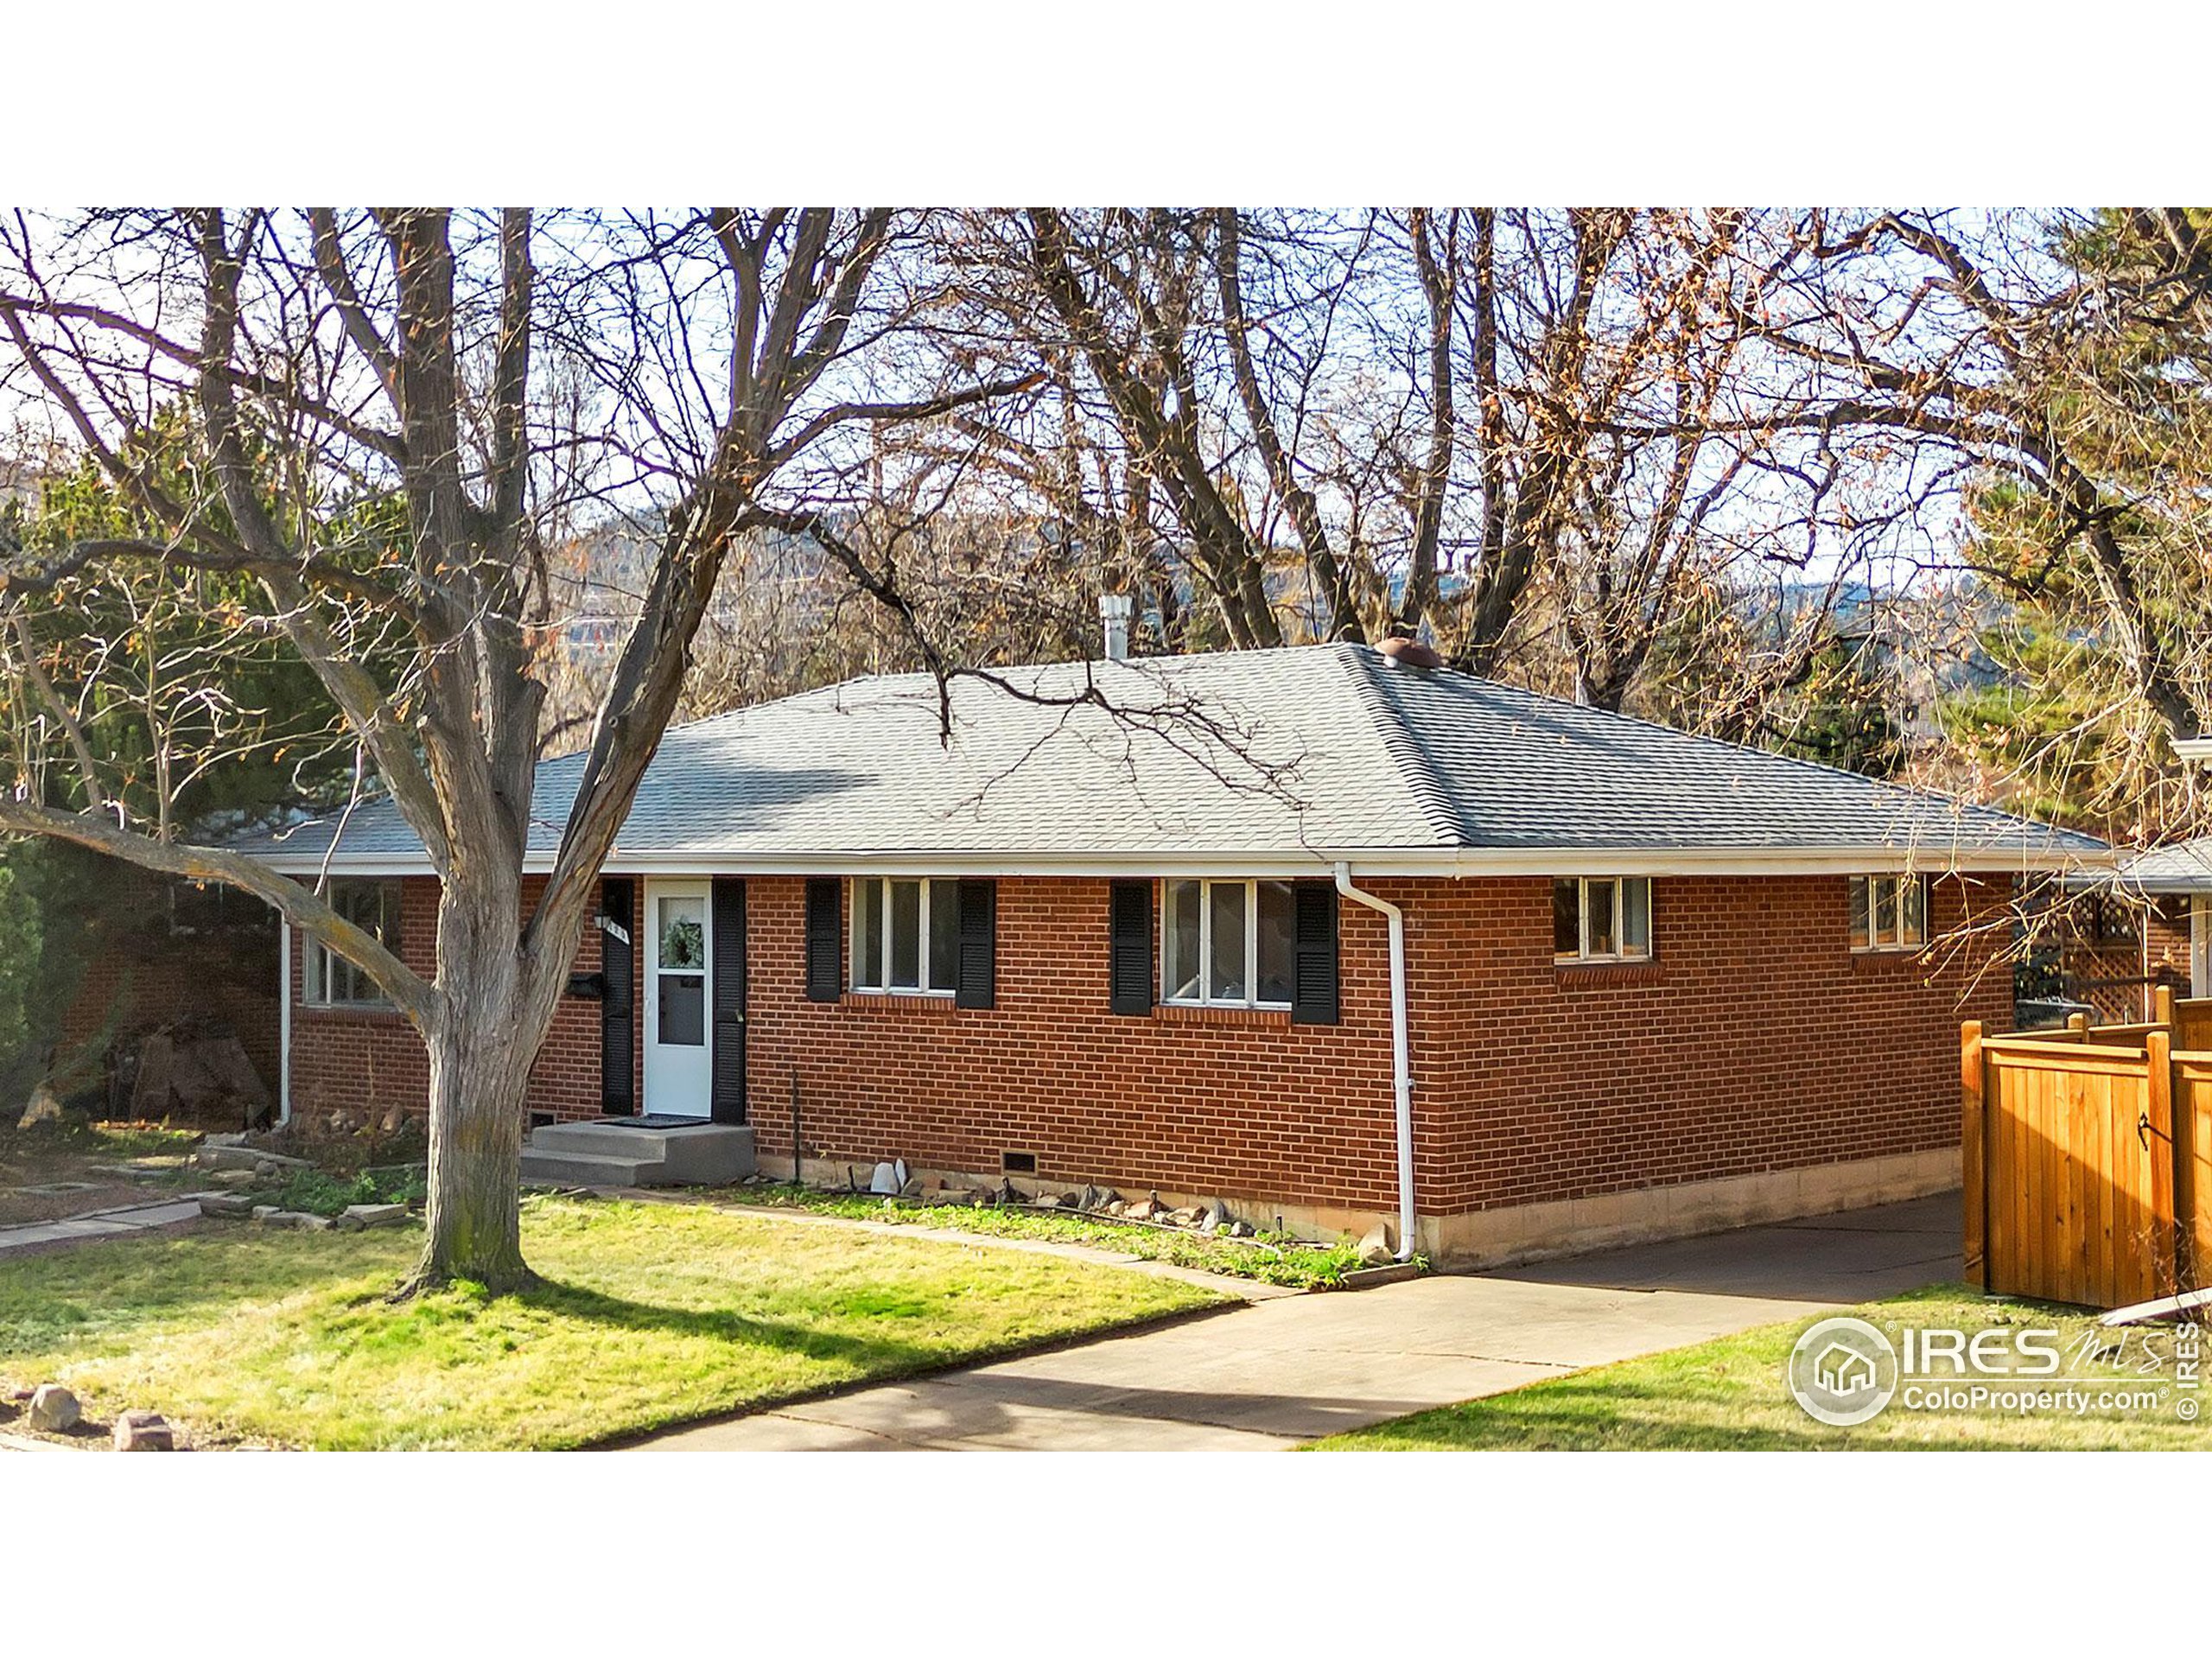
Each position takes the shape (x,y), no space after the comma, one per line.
(1327,937)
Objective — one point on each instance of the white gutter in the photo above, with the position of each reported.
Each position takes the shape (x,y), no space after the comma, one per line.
(1401,1059)
(1925,857)
(284,1022)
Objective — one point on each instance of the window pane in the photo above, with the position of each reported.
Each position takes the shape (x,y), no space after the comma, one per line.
(867,936)
(1885,910)
(906,935)
(1567,918)
(1179,942)
(1225,910)
(1861,912)
(683,1010)
(945,935)
(1278,934)
(1604,941)
(1915,911)
(1636,916)
(682,933)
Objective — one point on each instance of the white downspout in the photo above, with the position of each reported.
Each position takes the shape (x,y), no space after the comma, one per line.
(1401,1059)
(284,1022)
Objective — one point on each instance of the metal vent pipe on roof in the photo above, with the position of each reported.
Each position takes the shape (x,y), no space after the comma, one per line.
(1114,616)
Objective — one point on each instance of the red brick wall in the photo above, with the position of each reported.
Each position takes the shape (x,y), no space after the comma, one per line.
(158,963)
(1198,1100)
(1755,1041)
(369,1060)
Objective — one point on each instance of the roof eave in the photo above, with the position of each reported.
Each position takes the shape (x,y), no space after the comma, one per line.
(1461,863)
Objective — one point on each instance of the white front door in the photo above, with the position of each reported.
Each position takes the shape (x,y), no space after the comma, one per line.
(679,944)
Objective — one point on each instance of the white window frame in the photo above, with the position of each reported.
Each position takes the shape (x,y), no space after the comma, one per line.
(1900,942)
(1619,884)
(878,984)
(1206,998)
(319,964)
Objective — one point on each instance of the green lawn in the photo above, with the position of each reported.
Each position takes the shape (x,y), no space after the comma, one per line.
(1729,1395)
(652,1315)
(1269,1258)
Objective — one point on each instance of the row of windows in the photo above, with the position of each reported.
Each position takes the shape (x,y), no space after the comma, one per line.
(1223,944)
(1608,919)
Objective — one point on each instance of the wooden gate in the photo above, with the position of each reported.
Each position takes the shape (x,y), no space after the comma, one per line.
(2086,1157)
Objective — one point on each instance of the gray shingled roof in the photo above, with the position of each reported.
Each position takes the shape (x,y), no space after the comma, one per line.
(1286,755)
(2185,867)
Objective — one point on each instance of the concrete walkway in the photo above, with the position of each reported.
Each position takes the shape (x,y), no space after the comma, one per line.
(102,1223)
(1285,1369)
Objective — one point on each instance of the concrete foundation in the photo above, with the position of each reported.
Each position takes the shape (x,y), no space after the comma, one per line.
(1532,1232)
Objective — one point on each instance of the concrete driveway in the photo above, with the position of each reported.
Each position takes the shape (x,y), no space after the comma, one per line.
(1276,1372)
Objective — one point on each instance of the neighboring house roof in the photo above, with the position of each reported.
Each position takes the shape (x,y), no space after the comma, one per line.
(1260,762)
(2185,867)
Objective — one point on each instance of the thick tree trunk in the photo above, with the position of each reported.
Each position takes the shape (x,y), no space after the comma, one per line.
(478,1080)
(491,1021)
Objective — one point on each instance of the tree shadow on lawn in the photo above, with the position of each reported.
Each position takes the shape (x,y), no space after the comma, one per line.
(577,1301)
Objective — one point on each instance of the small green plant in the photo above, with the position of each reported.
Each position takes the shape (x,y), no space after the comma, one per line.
(322,1194)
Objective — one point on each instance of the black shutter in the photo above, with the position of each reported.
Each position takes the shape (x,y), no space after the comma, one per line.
(1131,947)
(1314,996)
(979,945)
(825,939)
(618,958)
(727,1104)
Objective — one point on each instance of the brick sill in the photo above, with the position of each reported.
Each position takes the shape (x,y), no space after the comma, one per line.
(313,1013)
(1174,1013)
(1916,960)
(891,1001)
(1604,976)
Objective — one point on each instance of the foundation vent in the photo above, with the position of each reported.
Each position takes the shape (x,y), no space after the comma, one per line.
(1018,1163)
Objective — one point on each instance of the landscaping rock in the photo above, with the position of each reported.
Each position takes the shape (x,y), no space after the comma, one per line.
(44,1107)
(143,1431)
(1376,1250)
(185,1075)
(299,1220)
(54,1409)
(215,1154)
(1184,1217)
(374,1215)
(1217,1216)
(233,1205)
(885,1180)
(234,1178)
(1241,1230)
(390,1121)
(951,1196)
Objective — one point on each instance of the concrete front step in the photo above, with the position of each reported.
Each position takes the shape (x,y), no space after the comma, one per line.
(612,1153)
(587,1169)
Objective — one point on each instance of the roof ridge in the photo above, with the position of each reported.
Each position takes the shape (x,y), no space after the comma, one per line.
(1407,755)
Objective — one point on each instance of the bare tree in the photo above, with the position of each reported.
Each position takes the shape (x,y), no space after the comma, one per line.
(372,392)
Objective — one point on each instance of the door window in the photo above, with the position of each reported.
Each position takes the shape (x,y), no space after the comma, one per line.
(681,930)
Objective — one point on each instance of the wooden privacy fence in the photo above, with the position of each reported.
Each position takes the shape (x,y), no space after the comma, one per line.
(2086,1157)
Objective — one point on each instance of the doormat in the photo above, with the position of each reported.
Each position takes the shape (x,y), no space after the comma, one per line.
(653,1120)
